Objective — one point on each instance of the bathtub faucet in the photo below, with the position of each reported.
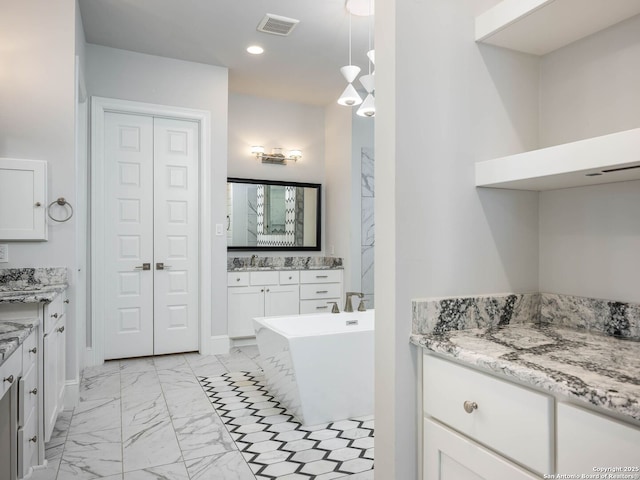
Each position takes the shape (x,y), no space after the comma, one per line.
(347,306)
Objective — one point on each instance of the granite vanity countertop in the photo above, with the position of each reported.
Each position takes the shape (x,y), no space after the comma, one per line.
(597,369)
(40,294)
(245,264)
(13,333)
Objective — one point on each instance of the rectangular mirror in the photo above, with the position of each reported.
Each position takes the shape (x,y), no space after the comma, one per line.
(272,215)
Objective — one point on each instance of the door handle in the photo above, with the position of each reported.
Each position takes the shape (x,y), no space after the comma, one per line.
(162,266)
(144,266)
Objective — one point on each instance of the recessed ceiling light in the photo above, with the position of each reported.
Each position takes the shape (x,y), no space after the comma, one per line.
(255,49)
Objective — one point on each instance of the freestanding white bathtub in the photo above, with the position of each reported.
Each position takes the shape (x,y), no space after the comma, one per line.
(319,366)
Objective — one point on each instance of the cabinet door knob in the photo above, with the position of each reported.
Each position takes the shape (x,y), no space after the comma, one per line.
(237,279)
(34,439)
(34,391)
(9,379)
(54,315)
(262,289)
(66,301)
(469,407)
(38,204)
(267,289)
(34,350)
(60,330)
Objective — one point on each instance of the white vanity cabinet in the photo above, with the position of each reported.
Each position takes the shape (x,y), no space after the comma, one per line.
(318,288)
(587,440)
(54,350)
(269,293)
(489,414)
(259,294)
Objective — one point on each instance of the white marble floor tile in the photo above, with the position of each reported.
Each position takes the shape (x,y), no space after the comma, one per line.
(143,409)
(202,435)
(95,415)
(188,402)
(174,471)
(205,365)
(240,364)
(150,445)
(113,477)
(177,378)
(228,466)
(92,455)
(140,383)
(163,362)
(61,428)
(368,475)
(142,364)
(106,385)
(110,366)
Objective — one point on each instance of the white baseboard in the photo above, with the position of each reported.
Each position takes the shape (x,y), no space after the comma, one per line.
(220,345)
(243,342)
(71,394)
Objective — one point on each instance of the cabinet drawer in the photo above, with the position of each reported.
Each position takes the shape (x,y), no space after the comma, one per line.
(52,312)
(237,279)
(316,306)
(27,446)
(586,440)
(264,278)
(10,371)
(290,277)
(320,276)
(29,351)
(512,420)
(27,395)
(319,291)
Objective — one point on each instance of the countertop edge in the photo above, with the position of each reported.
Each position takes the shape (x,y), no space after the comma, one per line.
(530,377)
(10,344)
(33,296)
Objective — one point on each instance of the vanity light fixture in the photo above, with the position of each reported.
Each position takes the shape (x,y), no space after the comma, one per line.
(276,156)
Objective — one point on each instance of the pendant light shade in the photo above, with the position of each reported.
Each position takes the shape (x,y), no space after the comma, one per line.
(350,72)
(368,83)
(368,108)
(350,97)
(372,56)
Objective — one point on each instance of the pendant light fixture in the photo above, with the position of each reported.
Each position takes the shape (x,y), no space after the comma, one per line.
(350,96)
(368,108)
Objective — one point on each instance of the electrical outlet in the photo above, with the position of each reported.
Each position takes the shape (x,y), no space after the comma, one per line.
(4,253)
(219,230)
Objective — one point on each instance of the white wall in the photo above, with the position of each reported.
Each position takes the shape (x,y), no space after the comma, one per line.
(146,78)
(37,118)
(590,237)
(338,192)
(436,234)
(275,123)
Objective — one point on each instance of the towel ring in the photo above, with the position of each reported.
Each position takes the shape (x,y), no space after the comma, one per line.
(62,202)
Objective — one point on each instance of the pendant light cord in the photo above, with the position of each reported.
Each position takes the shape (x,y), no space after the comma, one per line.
(349,38)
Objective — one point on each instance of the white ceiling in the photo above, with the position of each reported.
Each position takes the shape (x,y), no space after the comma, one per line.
(303,67)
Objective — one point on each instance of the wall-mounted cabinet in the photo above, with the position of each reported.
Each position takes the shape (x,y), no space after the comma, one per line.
(606,159)
(542,26)
(23,197)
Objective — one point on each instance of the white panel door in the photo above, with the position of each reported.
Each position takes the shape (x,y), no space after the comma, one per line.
(128,222)
(176,236)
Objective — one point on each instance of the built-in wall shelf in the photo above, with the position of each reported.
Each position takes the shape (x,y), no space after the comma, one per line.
(542,26)
(606,159)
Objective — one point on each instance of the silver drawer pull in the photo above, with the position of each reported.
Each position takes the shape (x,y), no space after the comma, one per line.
(34,350)
(60,330)
(66,301)
(322,276)
(9,379)
(54,315)
(322,291)
(469,407)
(321,308)
(34,391)
(34,439)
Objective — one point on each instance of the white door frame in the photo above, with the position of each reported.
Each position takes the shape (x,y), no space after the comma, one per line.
(100,106)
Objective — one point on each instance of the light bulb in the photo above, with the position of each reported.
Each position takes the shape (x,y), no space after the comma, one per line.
(350,97)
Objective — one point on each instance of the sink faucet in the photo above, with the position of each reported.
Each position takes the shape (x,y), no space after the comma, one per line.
(252,262)
(347,306)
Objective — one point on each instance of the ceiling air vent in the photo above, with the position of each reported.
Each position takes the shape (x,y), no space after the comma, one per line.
(277,25)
